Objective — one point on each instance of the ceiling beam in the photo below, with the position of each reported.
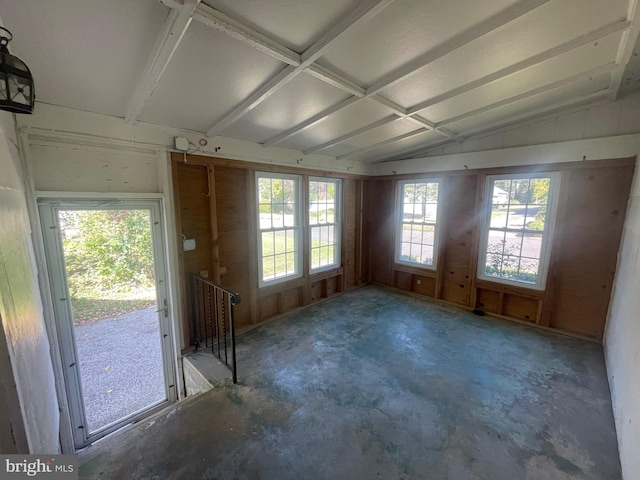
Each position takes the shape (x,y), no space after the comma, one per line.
(355,133)
(332,78)
(363,12)
(536,59)
(253,100)
(468,36)
(394,107)
(309,122)
(170,37)
(627,45)
(529,62)
(375,146)
(474,33)
(219,21)
(516,98)
(563,108)
(535,115)
(531,93)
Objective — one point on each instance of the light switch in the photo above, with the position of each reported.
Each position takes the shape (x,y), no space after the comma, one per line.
(189,244)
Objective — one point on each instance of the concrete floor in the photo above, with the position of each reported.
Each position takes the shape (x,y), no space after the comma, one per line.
(375,384)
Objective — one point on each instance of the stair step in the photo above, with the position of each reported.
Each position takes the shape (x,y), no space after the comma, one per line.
(203,371)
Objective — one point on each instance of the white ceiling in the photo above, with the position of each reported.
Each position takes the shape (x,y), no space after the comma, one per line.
(366,80)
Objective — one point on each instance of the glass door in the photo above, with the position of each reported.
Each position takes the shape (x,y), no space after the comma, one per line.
(108,282)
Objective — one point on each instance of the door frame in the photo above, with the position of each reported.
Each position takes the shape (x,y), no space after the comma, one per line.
(48,212)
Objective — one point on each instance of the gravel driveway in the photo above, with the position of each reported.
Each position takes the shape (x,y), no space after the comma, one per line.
(120,366)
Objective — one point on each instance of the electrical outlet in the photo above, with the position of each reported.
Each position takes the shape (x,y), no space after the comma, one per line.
(418,282)
(189,244)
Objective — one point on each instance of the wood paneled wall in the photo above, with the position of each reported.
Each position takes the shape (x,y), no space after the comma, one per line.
(592,203)
(215,204)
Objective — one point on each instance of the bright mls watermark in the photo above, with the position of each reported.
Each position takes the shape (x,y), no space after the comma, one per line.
(51,467)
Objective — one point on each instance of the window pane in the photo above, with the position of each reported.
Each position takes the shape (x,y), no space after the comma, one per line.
(323,205)
(278,223)
(416,230)
(268,268)
(496,242)
(331,230)
(276,216)
(264,190)
(540,190)
(291,240)
(278,241)
(428,235)
(281,265)
(515,236)
(500,192)
(427,255)
(512,243)
(536,216)
(528,271)
(532,245)
(315,258)
(515,217)
(330,213)
(291,263)
(314,214)
(277,194)
(415,251)
(265,216)
(430,212)
(498,216)
(268,243)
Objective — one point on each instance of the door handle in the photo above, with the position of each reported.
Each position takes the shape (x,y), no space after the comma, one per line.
(164,309)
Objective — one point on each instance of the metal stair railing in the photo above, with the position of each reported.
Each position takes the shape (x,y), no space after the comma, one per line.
(212,319)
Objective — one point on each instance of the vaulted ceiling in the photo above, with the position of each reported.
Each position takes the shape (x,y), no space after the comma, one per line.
(364,80)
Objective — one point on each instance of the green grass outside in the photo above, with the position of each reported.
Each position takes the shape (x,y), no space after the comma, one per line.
(95,306)
(278,245)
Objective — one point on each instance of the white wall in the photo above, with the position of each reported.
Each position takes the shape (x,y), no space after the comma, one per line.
(622,340)
(35,416)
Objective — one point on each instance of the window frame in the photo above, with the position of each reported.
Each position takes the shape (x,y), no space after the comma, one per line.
(400,222)
(337,225)
(547,233)
(297,228)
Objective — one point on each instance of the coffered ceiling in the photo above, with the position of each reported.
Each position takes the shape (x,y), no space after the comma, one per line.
(364,80)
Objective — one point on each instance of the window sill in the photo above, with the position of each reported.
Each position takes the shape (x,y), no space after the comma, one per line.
(328,273)
(282,284)
(427,271)
(523,290)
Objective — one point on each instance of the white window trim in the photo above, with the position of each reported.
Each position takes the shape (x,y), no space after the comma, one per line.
(399,217)
(297,228)
(547,235)
(337,226)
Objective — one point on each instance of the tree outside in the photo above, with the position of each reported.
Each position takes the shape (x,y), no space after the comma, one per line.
(109,261)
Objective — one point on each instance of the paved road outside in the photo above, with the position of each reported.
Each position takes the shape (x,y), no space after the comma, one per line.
(120,365)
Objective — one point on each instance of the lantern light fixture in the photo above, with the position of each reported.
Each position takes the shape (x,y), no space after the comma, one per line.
(17,94)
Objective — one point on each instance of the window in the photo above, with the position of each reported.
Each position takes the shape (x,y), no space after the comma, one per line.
(417,234)
(324,223)
(517,229)
(279,236)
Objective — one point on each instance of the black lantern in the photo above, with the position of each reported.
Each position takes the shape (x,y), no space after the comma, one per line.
(16,83)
